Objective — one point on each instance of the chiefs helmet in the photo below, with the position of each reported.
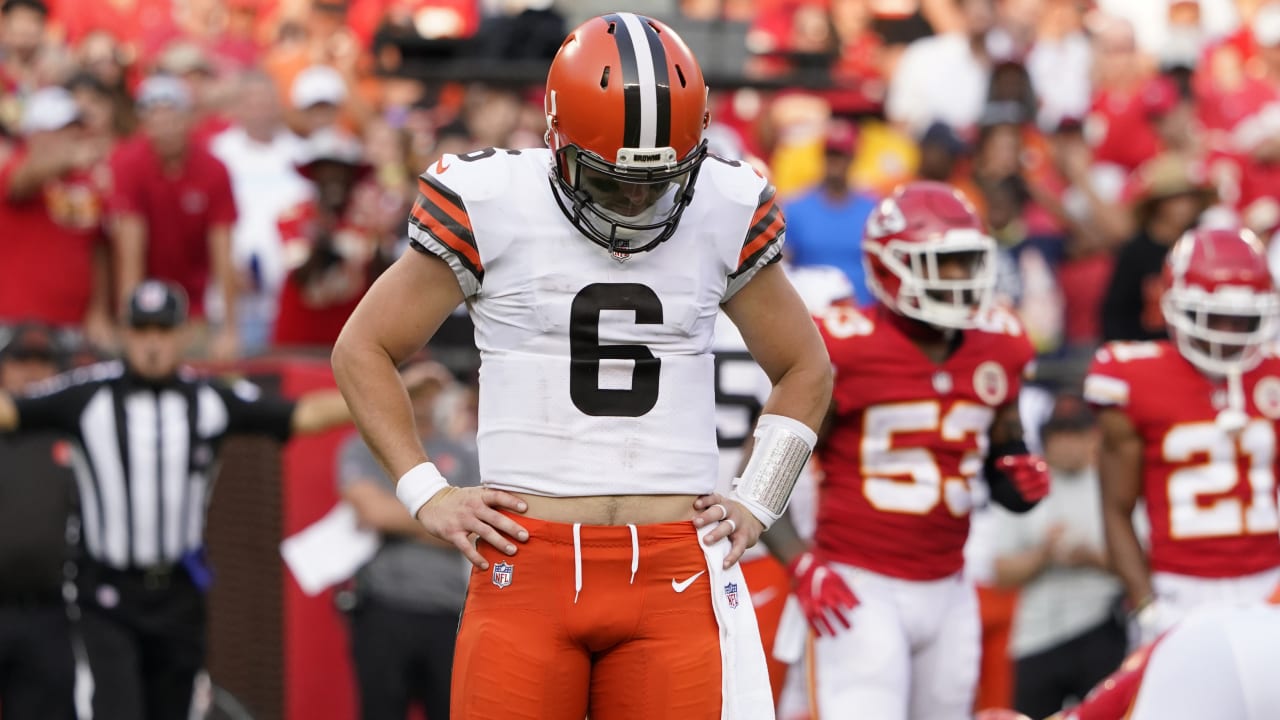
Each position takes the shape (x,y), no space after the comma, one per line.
(626,106)
(1220,300)
(906,244)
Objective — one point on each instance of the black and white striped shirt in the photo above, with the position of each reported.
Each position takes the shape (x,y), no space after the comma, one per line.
(146,453)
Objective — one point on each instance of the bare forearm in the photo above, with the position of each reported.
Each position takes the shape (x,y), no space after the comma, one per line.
(803,393)
(1126,556)
(35,171)
(320,410)
(783,541)
(379,404)
(130,246)
(224,271)
(1018,569)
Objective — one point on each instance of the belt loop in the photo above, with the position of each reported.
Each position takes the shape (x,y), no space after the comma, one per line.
(635,552)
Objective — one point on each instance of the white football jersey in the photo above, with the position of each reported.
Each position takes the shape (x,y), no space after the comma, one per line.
(596,375)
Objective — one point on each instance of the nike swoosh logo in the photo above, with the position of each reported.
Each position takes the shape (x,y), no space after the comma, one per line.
(441,167)
(764,596)
(682,586)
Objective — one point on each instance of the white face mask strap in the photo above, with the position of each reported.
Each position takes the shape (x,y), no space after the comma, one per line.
(782,447)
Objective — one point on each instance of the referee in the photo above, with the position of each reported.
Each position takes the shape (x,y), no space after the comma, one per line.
(145,435)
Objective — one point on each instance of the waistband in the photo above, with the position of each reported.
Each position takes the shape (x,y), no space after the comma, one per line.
(605,535)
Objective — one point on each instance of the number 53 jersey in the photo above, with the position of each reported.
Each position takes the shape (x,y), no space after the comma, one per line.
(597,374)
(907,438)
(1210,495)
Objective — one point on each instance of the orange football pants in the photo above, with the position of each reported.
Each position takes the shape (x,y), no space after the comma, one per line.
(615,623)
(770,584)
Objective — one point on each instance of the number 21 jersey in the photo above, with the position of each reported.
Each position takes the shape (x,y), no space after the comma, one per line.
(1210,495)
(596,373)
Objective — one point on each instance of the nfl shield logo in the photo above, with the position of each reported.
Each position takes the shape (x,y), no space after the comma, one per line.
(502,574)
(731,594)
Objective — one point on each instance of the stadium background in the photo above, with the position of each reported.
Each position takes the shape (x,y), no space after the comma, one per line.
(1067,122)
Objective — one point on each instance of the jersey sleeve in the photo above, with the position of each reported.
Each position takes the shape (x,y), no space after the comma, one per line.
(763,242)
(54,404)
(249,412)
(1107,384)
(439,225)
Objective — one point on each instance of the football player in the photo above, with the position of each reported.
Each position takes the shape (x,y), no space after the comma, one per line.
(925,399)
(1217,663)
(742,388)
(1189,426)
(594,272)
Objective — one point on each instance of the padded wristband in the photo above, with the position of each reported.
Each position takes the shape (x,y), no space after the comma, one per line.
(419,485)
(782,447)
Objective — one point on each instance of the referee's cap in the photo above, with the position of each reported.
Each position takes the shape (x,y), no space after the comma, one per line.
(156,302)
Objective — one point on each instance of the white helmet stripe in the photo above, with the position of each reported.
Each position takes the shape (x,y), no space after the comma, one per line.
(648,86)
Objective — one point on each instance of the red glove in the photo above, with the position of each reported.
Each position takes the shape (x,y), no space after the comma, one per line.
(821,591)
(1028,473)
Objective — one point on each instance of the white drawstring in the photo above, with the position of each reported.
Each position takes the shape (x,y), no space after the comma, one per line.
(635,553)
(577,561)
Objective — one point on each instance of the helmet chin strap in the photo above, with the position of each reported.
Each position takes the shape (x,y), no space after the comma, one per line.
(1233,418)
(918,330)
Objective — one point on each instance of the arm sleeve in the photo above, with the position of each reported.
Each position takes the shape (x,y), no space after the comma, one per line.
(222,203)
(123,199)
(52,405)
(1122,304)
(439,225)
(249,412)
(763,243)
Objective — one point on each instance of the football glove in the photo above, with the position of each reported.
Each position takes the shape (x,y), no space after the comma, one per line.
(824,597)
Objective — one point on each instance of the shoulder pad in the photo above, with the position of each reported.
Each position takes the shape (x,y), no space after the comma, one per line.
(845,321)
(734,180)
(1000,321)
(480,174)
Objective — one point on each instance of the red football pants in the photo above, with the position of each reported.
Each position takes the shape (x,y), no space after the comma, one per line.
(615,625)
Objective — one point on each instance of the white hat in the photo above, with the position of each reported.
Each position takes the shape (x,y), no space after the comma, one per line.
(50,108)
(318,84)
(1266,25)
(164,90)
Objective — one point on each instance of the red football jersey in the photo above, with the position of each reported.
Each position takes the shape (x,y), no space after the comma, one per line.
(1210,494)
(907,438)
(1113,698)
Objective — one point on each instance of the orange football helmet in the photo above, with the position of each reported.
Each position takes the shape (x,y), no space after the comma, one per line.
(626,105)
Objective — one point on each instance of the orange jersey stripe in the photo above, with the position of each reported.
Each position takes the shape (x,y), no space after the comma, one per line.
(769,234)
(450,206)
(445,235)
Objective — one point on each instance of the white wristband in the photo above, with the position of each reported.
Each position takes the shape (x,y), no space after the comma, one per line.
(419,485)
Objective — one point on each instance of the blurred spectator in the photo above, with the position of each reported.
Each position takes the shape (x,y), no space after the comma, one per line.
(920,94)
(940,151)
(97,106)
(1059,63)
(51,212)
(102,57)
(173,209)
(1168,199)
(331,253)
(824,225)
(317,96)
(409,595)
(186,61)
(260,154)
(1119,126)
(36,498)
(523,30)
(1066,633)
(22,24)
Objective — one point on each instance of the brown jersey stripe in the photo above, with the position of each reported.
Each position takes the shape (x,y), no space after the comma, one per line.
(434,221)
(761,234)
(446,199)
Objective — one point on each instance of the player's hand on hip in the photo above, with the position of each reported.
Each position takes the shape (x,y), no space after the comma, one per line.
(736,523)
(1029,475)
(824,596)
(454,514)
